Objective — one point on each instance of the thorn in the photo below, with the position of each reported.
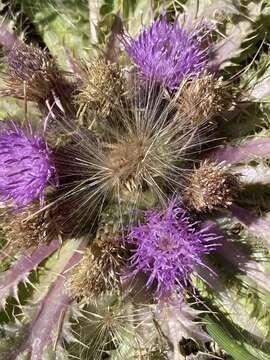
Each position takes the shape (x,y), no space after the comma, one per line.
(15,294)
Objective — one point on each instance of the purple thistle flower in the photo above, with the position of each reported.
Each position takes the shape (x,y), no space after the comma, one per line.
(25,166)
(166,53)
(168,247)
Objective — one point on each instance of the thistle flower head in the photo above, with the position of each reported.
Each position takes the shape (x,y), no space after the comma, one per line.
(29,72)
(25,60)
(140,151)
(33,75)
(26,167)
(211,186)
(166,53)
(167,247)
(110,324)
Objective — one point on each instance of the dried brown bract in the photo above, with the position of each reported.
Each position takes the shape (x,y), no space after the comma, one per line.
(99,270)
(211,186)
(101,91)
(202,99)
(26,229)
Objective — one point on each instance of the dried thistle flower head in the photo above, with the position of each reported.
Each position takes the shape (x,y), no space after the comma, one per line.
(203,98)
(25,230)
(131,160)
(211,186)
(102,87)
(33,75)
(99,270)
(145,154)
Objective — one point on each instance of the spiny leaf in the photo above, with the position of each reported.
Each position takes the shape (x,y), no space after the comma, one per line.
(49,314)
(10,279)
(228,343)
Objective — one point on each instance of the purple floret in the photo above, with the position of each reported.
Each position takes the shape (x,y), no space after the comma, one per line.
(25,166)
(167,53)
(168,248)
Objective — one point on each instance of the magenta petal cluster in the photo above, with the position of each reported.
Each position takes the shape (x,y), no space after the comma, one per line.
(25,167)
(168,247)
(166,53)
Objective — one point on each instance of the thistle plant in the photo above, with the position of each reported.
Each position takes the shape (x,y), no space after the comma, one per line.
(134,180)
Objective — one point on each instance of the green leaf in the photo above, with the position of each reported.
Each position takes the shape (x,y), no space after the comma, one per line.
(60,23)
(228,343)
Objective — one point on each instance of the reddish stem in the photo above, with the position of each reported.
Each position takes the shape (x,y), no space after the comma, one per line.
(51,314)
(10,279)
(257,147)
(7,38)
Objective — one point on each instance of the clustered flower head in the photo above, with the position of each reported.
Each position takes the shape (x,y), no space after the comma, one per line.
(100,268)
(27,229)
(167,53)
(139,152)
(168,247)
(26,167)
(30,73)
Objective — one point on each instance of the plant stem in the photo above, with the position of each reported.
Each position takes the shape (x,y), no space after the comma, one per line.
(257,147)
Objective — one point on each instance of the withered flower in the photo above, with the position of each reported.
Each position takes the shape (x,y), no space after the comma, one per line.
(100,92)
(100,268)
(33,75)
(202,99)
(211,186)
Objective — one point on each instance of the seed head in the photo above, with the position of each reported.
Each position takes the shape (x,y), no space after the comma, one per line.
(142,155)
(203,98)
(23,233)
(99,271)
(167,53)
(26,167)
(211,186)
(167,247)
(107,325)
(102,87)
